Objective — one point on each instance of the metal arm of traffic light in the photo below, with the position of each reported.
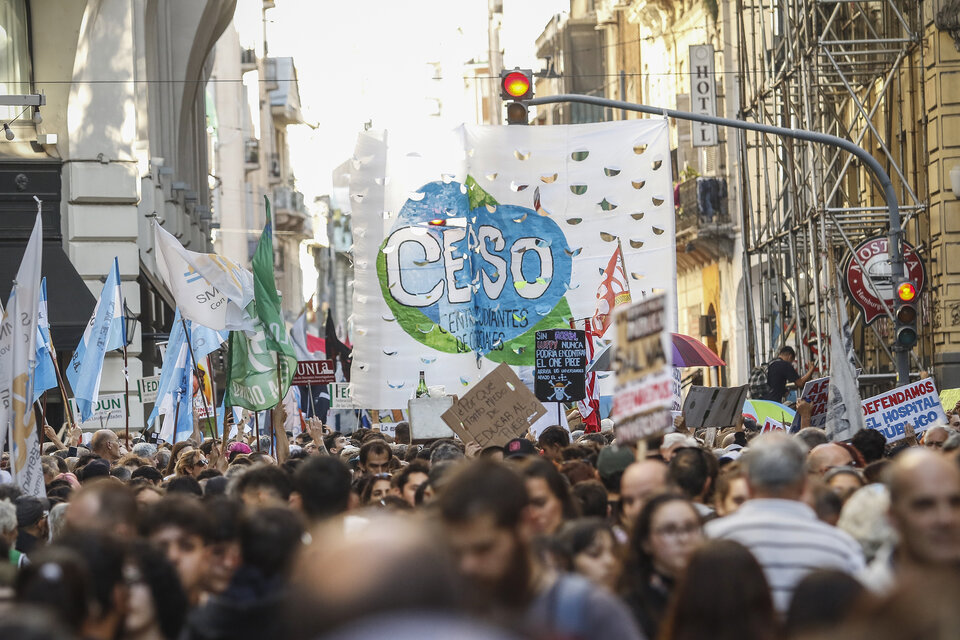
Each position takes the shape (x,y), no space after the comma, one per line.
(895,234)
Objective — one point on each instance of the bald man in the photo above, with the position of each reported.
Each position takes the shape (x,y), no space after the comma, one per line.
(106,444)
(925,512)
(934,437)
(824,457)
(641,481)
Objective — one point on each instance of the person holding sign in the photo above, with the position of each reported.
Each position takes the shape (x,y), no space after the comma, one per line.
(781,371)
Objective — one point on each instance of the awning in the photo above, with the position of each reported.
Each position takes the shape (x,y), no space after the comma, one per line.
(69,301)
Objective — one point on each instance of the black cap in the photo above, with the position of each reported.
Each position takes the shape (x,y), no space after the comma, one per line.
(518,448)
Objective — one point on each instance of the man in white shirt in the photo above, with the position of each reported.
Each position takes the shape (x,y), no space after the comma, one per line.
(782,532)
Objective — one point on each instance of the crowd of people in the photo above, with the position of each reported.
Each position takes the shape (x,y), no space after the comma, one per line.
(568,535)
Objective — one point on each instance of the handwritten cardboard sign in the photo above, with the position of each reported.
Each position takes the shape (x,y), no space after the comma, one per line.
(561,364)
(713,406)
(917,403)
(496,410)
(644,389)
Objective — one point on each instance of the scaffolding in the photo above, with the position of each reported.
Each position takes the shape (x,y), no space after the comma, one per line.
(849,68)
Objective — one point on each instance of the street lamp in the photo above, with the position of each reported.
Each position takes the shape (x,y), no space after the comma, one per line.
(130,322)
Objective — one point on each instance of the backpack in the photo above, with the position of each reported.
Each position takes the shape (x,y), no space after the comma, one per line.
(758,382)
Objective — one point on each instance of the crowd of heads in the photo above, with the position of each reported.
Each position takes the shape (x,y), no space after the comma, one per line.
(569,534)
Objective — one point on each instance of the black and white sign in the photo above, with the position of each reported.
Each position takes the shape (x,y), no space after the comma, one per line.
(561,365)
(703,94)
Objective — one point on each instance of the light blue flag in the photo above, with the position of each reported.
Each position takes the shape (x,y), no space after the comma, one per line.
(176,373)
(45,376)
(172,372)
(105,331)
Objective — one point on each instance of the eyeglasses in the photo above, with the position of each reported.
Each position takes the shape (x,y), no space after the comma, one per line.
(673,531)
(382,476)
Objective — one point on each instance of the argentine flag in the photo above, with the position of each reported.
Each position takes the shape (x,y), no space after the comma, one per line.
(176,375)
(45,376)
(106,331)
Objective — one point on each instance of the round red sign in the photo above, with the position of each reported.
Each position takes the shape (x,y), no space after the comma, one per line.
(868,280)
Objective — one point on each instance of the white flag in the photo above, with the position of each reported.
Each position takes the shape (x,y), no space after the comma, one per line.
(18,343)
(844,415)
(210,290)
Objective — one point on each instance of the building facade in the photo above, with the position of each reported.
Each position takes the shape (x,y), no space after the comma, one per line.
(120,144)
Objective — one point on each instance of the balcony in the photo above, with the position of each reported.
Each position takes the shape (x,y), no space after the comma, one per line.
(248,60)
(704,229)
(290,213)
(281,76)
(251,154)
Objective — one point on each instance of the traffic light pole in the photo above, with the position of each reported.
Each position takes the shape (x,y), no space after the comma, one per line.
(895,235)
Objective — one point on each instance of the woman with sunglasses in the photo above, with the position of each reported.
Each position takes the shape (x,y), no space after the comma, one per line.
(191,463)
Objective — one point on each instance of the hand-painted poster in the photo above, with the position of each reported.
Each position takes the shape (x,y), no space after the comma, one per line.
(466,245)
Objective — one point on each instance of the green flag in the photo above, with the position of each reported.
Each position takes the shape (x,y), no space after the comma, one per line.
(254,360)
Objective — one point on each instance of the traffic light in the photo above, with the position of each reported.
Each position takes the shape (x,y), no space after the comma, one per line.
(905,313)
(516,85)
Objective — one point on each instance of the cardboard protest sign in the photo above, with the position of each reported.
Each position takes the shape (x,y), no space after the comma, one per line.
(314,372)
(817,393)
(109,412)
(949,398)
(713,406)
(340,397)
(496,410)
(147,389)
(425,417)
(643,395)
(917,404)
(561,364)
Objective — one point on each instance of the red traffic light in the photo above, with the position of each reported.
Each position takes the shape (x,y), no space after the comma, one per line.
(516,84)
(906,291)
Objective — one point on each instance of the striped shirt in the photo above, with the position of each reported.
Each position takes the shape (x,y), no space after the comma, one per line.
(789,541)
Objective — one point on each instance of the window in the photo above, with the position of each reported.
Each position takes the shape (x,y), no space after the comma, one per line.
(15,68)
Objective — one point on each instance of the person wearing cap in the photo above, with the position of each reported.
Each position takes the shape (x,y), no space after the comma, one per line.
(519,448)
(31,523)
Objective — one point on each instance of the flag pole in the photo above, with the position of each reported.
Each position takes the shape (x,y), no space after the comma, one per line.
(213,392)
(126,390)
(196,370)
(256,424)
(68,410)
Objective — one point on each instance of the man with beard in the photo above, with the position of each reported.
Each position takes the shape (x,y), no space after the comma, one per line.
(485,516)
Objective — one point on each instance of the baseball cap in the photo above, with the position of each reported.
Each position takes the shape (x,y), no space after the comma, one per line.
(518,448)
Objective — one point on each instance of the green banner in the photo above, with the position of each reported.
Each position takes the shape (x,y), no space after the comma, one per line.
(253,381)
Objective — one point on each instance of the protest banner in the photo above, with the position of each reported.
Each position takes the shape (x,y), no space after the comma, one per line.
(643,395)
(314,372)
(340,396)
(425,417)
(496,410)
(108,413)
(917,404)
(561,364)
(147,389)
(817,393)
(714,406)
(493,234)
